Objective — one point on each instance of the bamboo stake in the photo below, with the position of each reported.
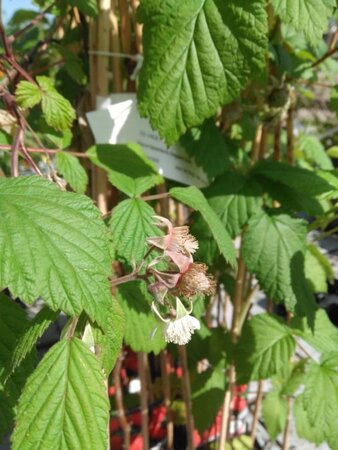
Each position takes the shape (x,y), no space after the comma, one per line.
(125,26)
(102,88)
(290,137)
(137,27)
(116,48)
(93,59)
(276,141)
(141,360)
(226,413)
(263,142)
(256,144)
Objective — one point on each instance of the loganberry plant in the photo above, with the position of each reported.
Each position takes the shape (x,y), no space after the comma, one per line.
(134,262)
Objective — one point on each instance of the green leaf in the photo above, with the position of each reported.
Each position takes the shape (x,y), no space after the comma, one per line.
(194,198)
(317,269)
(28,94)
(320,397)
(333,151)
(274,411)
(235,198)
(323,337)
(54,246)
(109,339)
(273,248)
(207,396)
(72,171)
(127,166)
(314,152)
(88,7)
(29,337)
(12,323)
(64,404)
(265,346)
(197,56)
(140,324)
(131,223)
(296,178)
(308,16)
(208,148)
(304,429)
(57,110)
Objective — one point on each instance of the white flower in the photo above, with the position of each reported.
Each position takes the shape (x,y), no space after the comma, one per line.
(179,331)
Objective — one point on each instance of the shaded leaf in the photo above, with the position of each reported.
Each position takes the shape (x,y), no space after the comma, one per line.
(140,323)
(127,166)
(265,346)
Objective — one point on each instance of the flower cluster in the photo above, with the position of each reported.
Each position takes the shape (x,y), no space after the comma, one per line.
(180,277)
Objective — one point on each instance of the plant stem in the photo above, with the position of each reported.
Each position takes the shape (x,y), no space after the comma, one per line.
(258,402)
(287,426)
(276,141)
(72,328)
(235,332)
(325,56)
(119,404)
(160,196)
(167,398)
(256,144)
(7,147)
(226,413)
(187,395)
(141,356)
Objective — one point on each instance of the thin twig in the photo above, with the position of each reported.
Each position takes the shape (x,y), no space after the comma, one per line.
(326,55)
(119,404)
(258,402)
(187,395)
(32,23)
(72,328)
(167,398)
(51,151)
(148,198)
(290,136)
(276,141)
(226,413)
(286,434)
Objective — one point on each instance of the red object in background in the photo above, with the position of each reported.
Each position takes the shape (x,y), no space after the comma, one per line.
(136,443)
(157,428)
(116,442)
(111,391)
(238,404)
(240,389)
(130,361)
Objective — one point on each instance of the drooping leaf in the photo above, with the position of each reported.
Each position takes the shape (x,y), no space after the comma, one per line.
(64,403)
(13,322)
(265,346)
(57,110)
(109,339)
(194,198)
(140,325)
(54,246)
(207,396)
(27,94)
(127,166)
(70,168)
(208,148)
(197,56)
(274,411)
(308,16)
(235,198)
(131,223)
(29,337)
(273,249)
